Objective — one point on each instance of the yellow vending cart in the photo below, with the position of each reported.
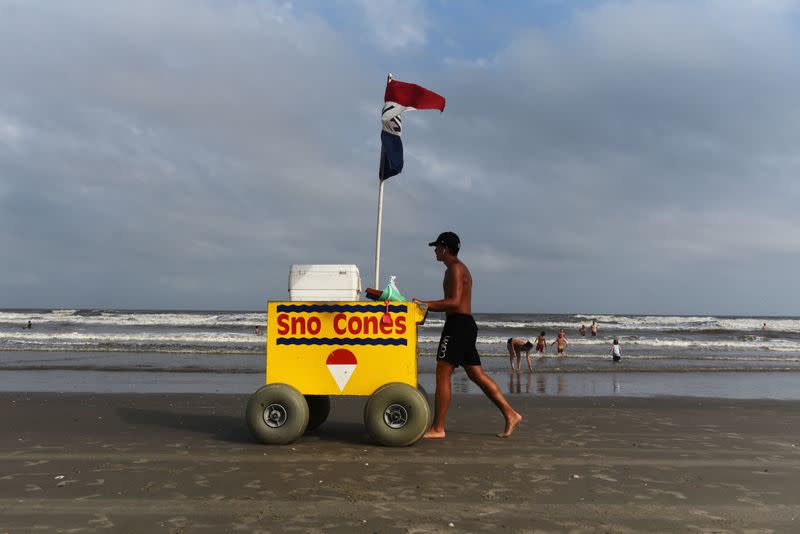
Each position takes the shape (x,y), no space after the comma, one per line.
(319,349)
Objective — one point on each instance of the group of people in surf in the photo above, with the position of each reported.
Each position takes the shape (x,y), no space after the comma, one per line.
(516,346)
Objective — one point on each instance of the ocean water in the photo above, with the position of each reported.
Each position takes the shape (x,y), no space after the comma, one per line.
(187,350)
(703,340)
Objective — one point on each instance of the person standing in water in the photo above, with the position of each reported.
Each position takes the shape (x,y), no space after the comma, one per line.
(459,335)
(541,344)
(616,351)
(560,343)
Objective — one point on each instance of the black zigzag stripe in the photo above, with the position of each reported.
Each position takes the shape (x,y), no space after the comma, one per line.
(367,308)
(339,341)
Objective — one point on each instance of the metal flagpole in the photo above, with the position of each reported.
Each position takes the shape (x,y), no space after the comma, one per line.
(380,217)
(378,235)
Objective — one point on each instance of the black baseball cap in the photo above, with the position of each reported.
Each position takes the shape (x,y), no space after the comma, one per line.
(448,239)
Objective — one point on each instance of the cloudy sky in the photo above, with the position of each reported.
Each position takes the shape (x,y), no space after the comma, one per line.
(594,156)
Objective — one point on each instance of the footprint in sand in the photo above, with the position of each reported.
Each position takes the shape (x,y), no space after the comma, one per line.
(706,515)
(101,521)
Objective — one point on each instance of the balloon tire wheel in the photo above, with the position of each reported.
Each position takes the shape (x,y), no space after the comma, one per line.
(396,415)
(430,410)
(277,414)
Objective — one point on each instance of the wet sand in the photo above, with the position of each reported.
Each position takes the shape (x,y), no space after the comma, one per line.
(186,463)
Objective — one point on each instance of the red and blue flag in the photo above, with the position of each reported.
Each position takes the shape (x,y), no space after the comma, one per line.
(399,97)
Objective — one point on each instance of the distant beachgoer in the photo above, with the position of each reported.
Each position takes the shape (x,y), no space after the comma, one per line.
(594,328)
(257,330)
(583,330)
(516,346)
(616,351)
(560,343)
(541,343)
(764,328)
(29,325)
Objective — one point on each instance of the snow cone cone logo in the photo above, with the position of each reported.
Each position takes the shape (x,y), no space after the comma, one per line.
(341,364)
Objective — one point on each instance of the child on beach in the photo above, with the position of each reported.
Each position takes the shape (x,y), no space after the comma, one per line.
(541,344)
(616,351)
(561,342)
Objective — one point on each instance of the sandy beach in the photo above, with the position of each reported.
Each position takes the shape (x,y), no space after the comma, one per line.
(186,463)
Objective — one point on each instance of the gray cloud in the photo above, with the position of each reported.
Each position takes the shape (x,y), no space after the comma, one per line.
(638,157)
(641,141)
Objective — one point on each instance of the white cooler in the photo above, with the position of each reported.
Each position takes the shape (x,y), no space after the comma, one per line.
(324,282)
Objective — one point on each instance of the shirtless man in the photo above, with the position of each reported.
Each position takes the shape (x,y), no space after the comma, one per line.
(516,346)
(457,344)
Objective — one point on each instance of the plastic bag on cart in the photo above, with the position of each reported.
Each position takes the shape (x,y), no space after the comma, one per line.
(391,292)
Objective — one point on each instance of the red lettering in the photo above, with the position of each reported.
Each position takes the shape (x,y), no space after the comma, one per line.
(314,325)
(283,324)
(370,325)
(354,325)
(298,324)
(400,325)
(346,325)
(336,326)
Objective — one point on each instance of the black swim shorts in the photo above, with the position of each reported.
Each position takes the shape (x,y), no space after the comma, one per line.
(457,344)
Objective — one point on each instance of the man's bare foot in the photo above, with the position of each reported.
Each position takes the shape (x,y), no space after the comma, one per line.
(433,434)
(511,424)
